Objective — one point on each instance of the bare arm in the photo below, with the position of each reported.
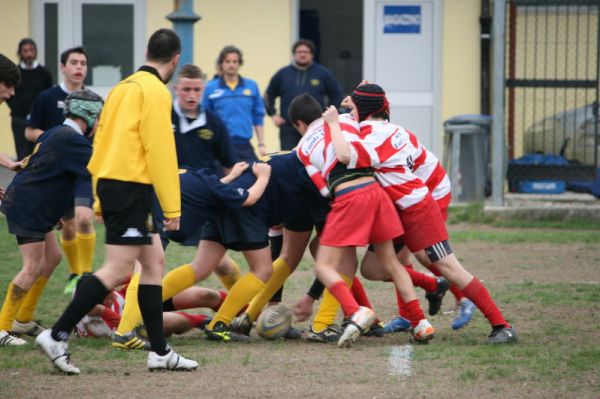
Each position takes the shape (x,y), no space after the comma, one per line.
(9,163)
(260,137)
(236,171)
(262,172)
(32,134)
(340,146)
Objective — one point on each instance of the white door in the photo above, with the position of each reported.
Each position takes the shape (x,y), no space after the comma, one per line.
(402,53)
(112,32)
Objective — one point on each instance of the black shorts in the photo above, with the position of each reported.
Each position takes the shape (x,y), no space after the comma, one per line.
(127,211)
(82,197)
(237,229)
(25,235)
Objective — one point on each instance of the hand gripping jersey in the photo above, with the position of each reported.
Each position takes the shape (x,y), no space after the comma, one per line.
(395,154)
(316,152)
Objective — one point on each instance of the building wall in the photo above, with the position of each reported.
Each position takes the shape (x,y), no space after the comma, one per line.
(11,32)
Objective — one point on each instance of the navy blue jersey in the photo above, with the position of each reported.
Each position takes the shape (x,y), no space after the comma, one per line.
(289,189)
(202,194)
(47,109)
(42,191)
(202,142)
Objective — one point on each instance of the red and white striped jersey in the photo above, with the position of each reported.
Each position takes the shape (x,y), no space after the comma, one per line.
(396,155)
(315,149)
(429,169)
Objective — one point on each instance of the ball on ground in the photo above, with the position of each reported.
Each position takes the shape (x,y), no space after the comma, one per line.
(274,322)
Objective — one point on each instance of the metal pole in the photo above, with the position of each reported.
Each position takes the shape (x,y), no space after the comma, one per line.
(498,145)
(183,19)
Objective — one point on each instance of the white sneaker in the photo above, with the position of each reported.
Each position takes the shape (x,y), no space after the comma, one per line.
(359,321)
(31,328)
(57,351)
(170,361)
(7,339)
(424,331)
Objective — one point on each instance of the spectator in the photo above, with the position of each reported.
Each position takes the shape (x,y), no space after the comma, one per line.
(34,79)
(303,75)
(236,100)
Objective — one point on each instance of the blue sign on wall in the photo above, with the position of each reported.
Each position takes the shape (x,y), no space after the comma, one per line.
(401,19)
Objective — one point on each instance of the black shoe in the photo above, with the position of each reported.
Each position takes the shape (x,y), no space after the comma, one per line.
(222,332)
(503,335)
(330,334)
(436,297)
(376,330)
(293,333)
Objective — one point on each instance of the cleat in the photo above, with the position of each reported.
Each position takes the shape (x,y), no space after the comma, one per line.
(71,283)
(330,334)
(242,324)
(376,330)
(204,323)
(7,339)
(397,324)
(222,332)
(57,351)
(358,323)
(293,333)
(171,361)
(466,309)
(130,340)
(32,328)
(436,297)
(423,332)
(503,335)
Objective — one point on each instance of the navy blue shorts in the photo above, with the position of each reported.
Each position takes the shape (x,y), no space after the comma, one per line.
(237,229)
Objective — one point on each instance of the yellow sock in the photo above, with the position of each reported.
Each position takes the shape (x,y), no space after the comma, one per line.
(239,295)
(131,316)
(85,251)
(228,280)
(177,280)
(281,271)
(70,250)
(15,296)
(327,309)
(29,304)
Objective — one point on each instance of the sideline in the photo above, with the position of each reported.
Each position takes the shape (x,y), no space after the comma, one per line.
(401,360)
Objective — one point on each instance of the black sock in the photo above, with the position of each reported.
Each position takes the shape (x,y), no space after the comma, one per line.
(316,289)
(90,293)
(276,243)
(150,302)
(168,305)
(277,296)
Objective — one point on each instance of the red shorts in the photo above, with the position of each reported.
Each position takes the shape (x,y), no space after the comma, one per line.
(443,204)
(424,225)
(362,216)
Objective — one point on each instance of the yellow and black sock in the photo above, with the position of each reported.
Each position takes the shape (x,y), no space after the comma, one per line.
(86,243)
(239,295)
(15,296)
(131,315)
(327,309)
(281,271)
(70,249)
(229,279)
(29,304)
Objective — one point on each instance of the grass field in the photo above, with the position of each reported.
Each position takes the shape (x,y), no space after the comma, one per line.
(544,276)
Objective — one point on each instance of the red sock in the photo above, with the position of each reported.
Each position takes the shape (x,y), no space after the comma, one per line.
(414,313)
(342,293)
(401,305)
(358,290)
(422,280)
(458,294)
(223,295)
(194,319)
(480,296)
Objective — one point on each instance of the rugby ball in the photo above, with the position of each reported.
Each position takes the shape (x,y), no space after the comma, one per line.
(274,322)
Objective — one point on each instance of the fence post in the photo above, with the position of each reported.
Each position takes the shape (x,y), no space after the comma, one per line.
(498,141)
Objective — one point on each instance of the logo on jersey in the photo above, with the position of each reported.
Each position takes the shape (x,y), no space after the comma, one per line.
(240,191)
(217,93)
(60,104)
(398,141)
(312,140)
(315,82)
(205,134)
(247,92)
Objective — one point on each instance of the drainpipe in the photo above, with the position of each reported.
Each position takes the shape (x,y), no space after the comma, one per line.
(183,19)
(485,21)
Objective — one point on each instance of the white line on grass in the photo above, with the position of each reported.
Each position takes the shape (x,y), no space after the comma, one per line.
(401,360)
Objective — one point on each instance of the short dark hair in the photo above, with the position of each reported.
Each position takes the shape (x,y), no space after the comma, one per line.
(163,45)
(229,50)
(304,42)
(190,71)
(64,56)
(10,75)
(23,43)
(304,108)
